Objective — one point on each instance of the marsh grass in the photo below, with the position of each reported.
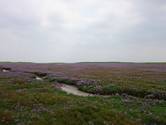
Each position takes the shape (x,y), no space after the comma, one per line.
(39,103)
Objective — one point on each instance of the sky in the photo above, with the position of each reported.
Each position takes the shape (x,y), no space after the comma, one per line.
(83,30)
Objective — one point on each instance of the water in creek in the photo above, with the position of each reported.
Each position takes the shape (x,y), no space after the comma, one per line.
(4,70)
(38,78)
(74,90)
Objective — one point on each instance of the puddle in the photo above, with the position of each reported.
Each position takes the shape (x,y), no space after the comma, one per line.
(4,70)
(74,90)
(38,78)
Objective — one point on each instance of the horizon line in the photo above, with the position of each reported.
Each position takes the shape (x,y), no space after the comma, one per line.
(84,62)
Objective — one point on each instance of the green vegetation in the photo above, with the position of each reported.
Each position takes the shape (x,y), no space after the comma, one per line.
(40,103)
(105,88)
(143,80)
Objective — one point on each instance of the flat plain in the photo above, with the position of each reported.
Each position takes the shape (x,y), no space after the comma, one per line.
(126,93)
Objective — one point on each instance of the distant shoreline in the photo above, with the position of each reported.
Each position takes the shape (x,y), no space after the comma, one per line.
(85,62)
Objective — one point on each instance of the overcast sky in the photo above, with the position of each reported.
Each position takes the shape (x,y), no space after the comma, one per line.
(82,30)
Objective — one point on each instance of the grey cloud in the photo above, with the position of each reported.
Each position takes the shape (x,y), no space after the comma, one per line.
(96,30)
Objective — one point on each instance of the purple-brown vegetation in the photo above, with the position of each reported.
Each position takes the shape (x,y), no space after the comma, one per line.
(137,93)
(137,79)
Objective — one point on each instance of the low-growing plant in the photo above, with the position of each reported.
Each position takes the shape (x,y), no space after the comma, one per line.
(110,89)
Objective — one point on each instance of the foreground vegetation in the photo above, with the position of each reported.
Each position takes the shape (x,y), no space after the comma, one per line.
(40,103)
